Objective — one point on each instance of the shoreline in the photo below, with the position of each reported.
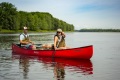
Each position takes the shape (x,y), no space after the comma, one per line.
(21,31)
(44,31)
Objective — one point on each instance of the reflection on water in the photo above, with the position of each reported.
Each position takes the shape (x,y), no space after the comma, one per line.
(59,71)
(24,65)
(59,66)
(6,41)
(79,66)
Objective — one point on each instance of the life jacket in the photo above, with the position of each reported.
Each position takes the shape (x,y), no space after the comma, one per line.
(60,42)
(26,38)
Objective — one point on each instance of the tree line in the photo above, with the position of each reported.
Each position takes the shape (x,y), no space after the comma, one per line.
(99,30)
(11,19)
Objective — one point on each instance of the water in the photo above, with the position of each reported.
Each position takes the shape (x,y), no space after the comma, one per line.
(104,65)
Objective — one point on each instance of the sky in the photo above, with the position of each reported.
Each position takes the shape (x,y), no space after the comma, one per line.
(101,14)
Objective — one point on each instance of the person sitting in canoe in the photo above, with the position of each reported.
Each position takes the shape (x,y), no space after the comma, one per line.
(25,41)
(59,41)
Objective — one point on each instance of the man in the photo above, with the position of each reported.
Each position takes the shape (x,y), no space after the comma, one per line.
(25,41)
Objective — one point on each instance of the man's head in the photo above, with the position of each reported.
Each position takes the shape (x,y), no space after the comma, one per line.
(25,29)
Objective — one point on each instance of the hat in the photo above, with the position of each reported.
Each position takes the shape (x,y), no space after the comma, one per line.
(59,30)
(25,27)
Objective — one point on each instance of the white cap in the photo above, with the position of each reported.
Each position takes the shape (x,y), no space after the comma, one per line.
(59,30)
(25,28)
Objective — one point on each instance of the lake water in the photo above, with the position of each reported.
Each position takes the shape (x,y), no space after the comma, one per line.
(104,65)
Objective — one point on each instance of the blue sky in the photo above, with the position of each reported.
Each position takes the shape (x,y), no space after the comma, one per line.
(81,13)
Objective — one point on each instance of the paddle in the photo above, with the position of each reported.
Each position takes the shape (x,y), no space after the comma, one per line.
(38,45)
(53,54)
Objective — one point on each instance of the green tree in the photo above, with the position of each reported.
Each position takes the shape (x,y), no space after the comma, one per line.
(11,19)
(16,25)
(55,24)
(0,27)
(23,19)
(7,11)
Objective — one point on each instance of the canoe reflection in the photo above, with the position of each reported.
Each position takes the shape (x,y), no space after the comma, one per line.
(79,66)
(60,66)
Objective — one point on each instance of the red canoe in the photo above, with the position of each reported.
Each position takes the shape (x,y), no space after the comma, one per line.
(85,52)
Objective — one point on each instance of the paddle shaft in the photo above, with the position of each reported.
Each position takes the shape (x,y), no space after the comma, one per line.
(53,54)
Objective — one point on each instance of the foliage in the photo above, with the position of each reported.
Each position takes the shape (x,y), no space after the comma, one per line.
(11,19)
(7,17)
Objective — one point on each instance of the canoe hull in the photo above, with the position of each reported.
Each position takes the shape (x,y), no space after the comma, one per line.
(76,53)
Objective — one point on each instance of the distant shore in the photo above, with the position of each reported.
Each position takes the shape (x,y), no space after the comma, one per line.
(98,30)
(81,30)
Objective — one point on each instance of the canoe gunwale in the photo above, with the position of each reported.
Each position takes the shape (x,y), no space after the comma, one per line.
(55,50)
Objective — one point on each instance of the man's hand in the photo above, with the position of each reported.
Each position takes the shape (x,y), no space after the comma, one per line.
(31,42)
